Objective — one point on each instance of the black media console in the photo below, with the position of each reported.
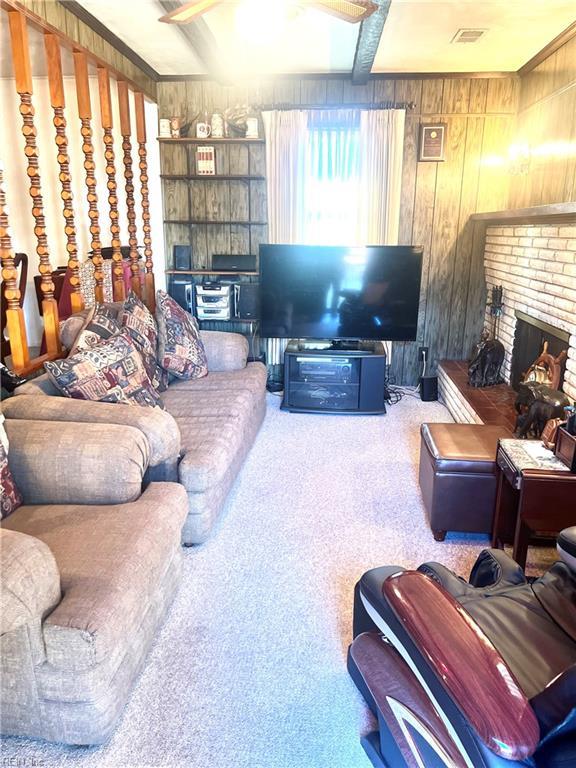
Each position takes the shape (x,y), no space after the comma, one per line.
(335,379)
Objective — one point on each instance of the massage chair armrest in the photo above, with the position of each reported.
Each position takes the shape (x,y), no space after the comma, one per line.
(455,653)
(225,351)
(58,462)
(29,580)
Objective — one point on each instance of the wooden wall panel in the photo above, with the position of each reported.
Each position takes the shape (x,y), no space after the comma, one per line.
(546,124)
(437,198)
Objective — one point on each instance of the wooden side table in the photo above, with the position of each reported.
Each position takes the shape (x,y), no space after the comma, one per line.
(536,493)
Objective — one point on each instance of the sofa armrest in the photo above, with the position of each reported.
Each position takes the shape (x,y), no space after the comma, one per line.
(225,351)
(58,462)
(29,579)
(158,426)
(465,663)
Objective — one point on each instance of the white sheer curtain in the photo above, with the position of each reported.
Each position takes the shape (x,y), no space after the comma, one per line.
(285,152)
(334,176)
(382,147)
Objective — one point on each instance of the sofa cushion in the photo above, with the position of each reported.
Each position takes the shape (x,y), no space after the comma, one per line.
(180,350)
(140,324)
(112,372)
(110,560)
(100,324)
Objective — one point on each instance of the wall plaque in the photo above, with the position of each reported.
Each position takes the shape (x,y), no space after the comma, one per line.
(431,145)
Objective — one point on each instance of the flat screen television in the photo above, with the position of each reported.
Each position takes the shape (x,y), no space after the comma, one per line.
(333,292)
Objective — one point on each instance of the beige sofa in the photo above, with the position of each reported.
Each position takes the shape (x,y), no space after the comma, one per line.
(89,566)
(200,440)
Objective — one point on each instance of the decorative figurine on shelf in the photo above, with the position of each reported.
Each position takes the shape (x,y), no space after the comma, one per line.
(236,120)
(486,362)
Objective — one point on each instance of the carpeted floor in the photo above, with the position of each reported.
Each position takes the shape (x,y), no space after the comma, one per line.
(249,671)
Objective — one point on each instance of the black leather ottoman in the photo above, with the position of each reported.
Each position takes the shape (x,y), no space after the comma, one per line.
(458,476)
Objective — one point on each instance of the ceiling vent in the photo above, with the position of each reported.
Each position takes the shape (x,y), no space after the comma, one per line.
(468,35)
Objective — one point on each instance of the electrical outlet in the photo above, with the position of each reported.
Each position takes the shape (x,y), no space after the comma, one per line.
(421,352)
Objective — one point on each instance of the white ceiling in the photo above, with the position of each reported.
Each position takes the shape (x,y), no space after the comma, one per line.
(283,36)
(417,34)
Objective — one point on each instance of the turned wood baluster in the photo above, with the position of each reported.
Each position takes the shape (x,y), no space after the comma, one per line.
(124,104)
(107,124)
(149,288)
(14,312)
(57,100)
(85,115)
(23,78)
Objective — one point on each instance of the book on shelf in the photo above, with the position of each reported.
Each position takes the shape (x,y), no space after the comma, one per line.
(205,165)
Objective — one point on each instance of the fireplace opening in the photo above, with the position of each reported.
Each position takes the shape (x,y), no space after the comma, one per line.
(529,339)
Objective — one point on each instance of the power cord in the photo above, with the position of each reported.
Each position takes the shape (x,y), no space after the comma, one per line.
(394,393)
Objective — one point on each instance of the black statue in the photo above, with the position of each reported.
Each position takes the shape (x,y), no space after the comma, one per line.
(535,404)
(486,361)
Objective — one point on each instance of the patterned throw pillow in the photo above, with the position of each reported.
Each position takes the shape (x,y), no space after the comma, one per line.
(140,324)
(100,324)
(10,496)
(180,350)
(111,372)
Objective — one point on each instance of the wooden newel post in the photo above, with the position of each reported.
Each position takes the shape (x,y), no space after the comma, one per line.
(23,77)
(124,105)
(14,312)
(57,100)
(107,123)
(149,288)
(85,115)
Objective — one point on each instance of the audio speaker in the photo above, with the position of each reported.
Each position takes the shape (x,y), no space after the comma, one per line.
(247,301)
(182,291)
(229,262)
(429,388)
(182,257)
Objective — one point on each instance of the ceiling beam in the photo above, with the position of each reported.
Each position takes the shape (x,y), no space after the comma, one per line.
(203,43)
(368,42)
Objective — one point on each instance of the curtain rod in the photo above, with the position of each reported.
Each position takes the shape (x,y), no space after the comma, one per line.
(378,105)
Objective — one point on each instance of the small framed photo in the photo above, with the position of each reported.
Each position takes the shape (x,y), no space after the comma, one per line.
(431,144)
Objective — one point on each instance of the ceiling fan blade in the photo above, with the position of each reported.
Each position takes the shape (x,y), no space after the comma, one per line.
(352,11)
(189,11)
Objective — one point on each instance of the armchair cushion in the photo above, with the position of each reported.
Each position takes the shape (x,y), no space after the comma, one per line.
(50,467)
(30,580)
(111,560)
(112,371)
(180,350)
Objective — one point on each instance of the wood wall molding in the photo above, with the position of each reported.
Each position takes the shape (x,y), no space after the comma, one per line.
(548,50)
(535,214)
(340,76)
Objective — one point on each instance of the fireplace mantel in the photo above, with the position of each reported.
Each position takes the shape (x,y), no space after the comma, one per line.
(557,212)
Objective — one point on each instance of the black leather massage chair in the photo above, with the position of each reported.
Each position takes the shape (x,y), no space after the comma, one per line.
(473,674)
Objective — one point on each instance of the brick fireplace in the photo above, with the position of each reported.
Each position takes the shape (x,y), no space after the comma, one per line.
(532,254)
(536,265)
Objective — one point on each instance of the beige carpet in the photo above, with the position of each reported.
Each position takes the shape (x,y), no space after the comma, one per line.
(249,670)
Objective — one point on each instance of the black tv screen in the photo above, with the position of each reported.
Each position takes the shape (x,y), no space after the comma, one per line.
(329,292)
